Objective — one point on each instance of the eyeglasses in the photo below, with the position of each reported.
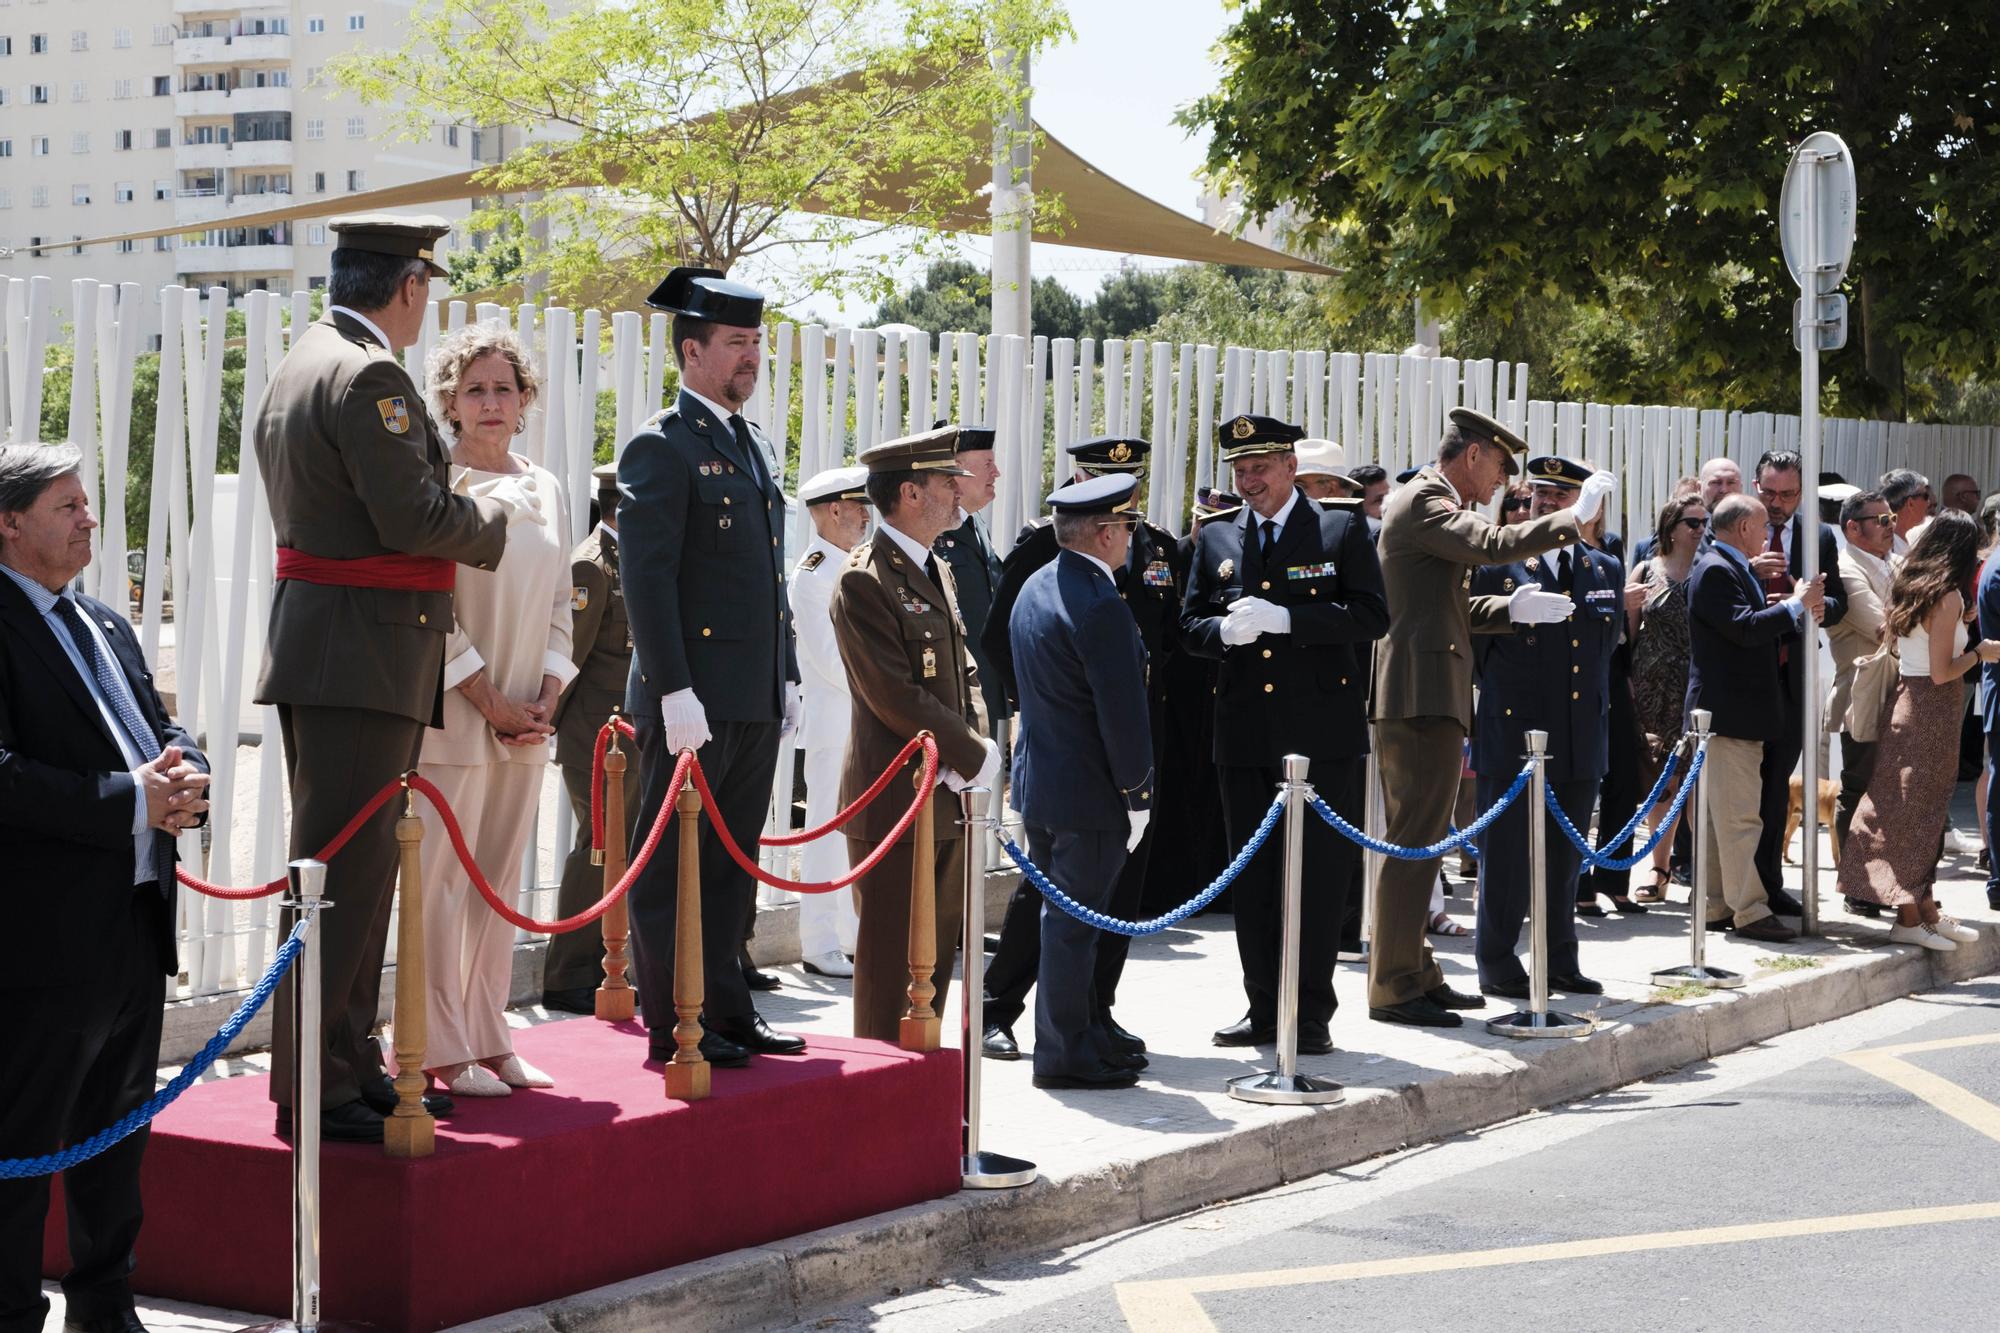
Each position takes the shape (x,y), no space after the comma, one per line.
(1514,502)
(1879,520)
(1773,493)
(1692,523)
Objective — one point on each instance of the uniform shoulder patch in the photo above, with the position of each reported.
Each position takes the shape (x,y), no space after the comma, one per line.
(395,414)
(813,560)
(579,598)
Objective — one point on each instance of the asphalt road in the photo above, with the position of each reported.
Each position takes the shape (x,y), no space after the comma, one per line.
(1831,1178)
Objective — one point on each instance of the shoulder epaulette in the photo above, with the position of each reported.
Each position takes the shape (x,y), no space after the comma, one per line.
(813,560)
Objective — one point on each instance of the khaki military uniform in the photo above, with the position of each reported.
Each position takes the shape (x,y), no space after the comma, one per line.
(354,467)
(601,645)
(903,645)
(1429,545)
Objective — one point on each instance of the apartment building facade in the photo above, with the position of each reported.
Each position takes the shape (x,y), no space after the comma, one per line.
(132,115)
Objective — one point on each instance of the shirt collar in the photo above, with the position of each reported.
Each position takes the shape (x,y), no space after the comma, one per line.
(1085,555)
(1875,564)
(1280,518)
(907,544)
(364,322)
(41,598)
(722,413)
(1731,553)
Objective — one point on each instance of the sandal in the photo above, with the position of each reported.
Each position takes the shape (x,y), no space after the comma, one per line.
(1444,925)
(1656,892)
(1625,904)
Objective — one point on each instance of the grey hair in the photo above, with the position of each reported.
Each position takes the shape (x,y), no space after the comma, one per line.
(1899,484)
(365,281)
(1733,509)
(1073,530)
(27,470)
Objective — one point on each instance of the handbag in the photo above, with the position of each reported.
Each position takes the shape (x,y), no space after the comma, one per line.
(1874,685)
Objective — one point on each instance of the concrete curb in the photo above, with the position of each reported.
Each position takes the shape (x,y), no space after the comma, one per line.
(876,1257)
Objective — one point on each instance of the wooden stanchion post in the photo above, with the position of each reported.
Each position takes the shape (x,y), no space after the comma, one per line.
(687,1074)
(616,999)
(410,1131)
(921,1029)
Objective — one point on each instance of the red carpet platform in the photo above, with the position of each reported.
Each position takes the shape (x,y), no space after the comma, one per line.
(543,1194)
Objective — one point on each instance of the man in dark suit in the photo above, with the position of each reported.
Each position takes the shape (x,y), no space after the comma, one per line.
(1283,595)
(1778,563)
(1083,781)
(1735,634)
(714,667)
(1554,678)
(99,782)
(968,549)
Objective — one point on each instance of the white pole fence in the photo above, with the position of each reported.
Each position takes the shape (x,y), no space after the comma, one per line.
(825,393)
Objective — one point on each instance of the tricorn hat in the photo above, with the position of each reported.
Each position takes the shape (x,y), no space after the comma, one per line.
(705,293)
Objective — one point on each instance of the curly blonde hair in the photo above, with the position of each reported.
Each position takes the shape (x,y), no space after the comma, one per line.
(456,352)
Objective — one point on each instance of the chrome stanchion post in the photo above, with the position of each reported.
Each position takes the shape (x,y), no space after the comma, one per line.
(1371,861)
(977,1168)
(1537,1020)
(1697,969)
(1286,1085)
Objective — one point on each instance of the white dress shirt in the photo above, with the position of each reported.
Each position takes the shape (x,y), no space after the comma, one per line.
(364,322)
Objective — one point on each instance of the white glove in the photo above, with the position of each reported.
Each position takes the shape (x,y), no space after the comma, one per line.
(987,776)
(1238,630)
(684,721)
(1139,820)
(793,699)
(1531,606)
(1254,616)
(1597,488)
(521,501)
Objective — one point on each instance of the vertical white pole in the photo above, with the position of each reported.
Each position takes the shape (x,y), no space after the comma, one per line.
(1808,537)
(83,413)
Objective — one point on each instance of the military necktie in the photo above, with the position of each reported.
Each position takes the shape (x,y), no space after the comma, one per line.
(1562,571)
(751,452)
(1270,540)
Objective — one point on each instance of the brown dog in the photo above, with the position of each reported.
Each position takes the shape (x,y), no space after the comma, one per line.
(1794,813)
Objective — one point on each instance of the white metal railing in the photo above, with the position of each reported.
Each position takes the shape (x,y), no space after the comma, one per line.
(848,387)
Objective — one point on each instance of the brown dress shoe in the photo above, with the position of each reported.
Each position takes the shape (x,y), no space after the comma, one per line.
(1769,929)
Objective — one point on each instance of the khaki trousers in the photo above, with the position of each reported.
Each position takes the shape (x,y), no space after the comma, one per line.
(468,947)
(882,953)
(1420,759)
(1731,783)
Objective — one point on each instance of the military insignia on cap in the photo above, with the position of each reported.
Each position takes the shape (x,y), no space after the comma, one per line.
(1225,569)
(579,598)
(1534,563)
(1121,452)
(1506,585)
(1243,430)
(395,415)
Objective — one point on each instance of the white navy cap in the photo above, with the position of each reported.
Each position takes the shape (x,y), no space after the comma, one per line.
(836,483)
(1114,493)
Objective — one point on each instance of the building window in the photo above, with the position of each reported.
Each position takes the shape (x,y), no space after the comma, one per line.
(121,89)
(122,192)
(356,22)
(6,197)
(163,190)
(121,141)
(38,196)
(79,141)
(315,23)
(79,40)
(357,127)
(356,181)
(163,34)
(40,94)
(451,136)
(162,244)
(79,195)
(6,148)
(38,145)
(6,46)
(319,182)
(315,129)
(38,43)
(163,85)
(163,138)
(316,234)
(79,91)
(312,75)
(121,38)
(128,247)
(3,97)
(75,249)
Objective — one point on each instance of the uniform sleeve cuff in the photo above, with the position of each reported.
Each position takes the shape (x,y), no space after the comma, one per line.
(463,668)
(560,666)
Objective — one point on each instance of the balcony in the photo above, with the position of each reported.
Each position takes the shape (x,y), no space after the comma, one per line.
(247,153)
(192,260)
(232,50)
(206,207)
(233,101)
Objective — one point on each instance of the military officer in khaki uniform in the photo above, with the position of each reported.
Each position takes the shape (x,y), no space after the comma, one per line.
(1432,538)
(895,617)
(601,643)
(369,535)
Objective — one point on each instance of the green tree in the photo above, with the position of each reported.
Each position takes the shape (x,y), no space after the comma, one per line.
(956,297)
(709,131)
(1623,163)
(1126,303)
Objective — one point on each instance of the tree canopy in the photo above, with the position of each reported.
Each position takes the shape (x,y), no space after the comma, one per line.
(1621,164)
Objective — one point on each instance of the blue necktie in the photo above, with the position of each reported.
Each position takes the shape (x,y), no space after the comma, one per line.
(109,682)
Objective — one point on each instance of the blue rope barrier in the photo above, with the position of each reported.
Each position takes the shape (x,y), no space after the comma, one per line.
(1624,835)
(25,1168)
(1593,857)
(1090,916)
(1458,837)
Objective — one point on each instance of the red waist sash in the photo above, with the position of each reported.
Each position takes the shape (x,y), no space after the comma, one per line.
(408,573)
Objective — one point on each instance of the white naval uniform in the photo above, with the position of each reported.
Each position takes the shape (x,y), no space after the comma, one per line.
(827,921)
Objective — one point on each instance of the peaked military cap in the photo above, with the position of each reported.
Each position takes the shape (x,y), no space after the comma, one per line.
(409,235)
(1563,473)
(1480,427)
(1115,493)
(1111,453)
(1245,435)
(1408,474)
(1211,503)
(835,483)
(704,293)
(934,450)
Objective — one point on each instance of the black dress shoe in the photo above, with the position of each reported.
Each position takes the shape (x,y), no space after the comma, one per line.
(349,1122)
(1783,903)
(1576,984)
(1721,923)
(125,1321)
(1626,905)
(753,1034)
(718,1051)
(1422,1012)
(1123,1040)
(999,1044)
(571,1000)
(1126,1060)
(380,1094)
(1245,1033)
(1446,998)
(1506,990)
(756,980)
(1104,1076)
(1588,907)
(1314,1039)
(1860,908)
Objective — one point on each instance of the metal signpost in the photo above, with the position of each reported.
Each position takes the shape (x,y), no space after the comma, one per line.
(1816,227)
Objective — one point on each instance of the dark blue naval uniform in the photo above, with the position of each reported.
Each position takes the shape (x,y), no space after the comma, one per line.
(1554,678)
(1085,760)
(700,526)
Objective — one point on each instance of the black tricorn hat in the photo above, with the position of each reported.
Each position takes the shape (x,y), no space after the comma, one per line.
(970,437)
(705,293)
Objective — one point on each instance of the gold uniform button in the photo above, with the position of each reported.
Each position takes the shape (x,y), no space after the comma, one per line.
(704,631)
(1265,585)
(1576,643)
(1451,647)
(1575,670)
(927,634)
(1510,712)
(1343,680)
(725,499)
(423,619)
(1268,687)
(1267,652)
(1574,695)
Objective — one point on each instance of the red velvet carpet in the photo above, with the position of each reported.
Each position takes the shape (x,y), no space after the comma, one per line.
(544,1194)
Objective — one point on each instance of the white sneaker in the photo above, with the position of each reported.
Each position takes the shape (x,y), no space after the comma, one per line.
(1958,840)
(1921,934)
(471,1080)
(515,1072)
(1953,929)
(832,963)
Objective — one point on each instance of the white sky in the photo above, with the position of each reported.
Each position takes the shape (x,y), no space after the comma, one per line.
(1110,95)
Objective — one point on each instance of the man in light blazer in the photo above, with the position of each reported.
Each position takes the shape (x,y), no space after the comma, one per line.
(1867,567)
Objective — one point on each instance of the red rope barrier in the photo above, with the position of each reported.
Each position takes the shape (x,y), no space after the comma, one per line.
(419,782)
(925,784)
(326,853)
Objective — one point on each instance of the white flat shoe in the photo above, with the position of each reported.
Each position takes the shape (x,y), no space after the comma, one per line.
(1953,929)
(515,1072)
(1922,934)
(832,963)
(470,1080)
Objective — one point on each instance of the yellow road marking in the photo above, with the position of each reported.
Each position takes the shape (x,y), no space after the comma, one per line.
(1170,1305)
(1968,1108)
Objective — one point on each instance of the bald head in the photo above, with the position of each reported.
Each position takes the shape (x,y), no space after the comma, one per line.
(1719,477)
(1739,520)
